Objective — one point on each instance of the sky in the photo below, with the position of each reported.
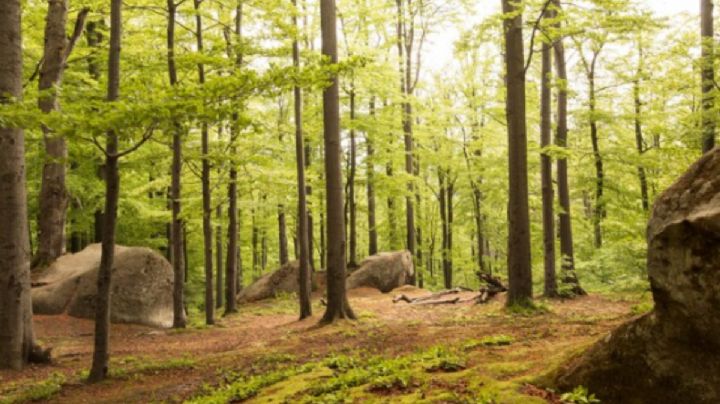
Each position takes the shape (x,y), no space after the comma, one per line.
(439,49)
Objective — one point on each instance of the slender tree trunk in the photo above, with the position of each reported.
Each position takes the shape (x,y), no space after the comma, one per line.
(372,221)
(99,369)
(338,306)
(304,279)
(53,192)
(233,275)
(548,194)
(16,329)
(639,142)
(282,236)
(392,217)
(311,235)
(218,258)
(176,228)
(405,59)
(206,193)
(255,245)
(450,217)
(708,75)
(323,242)
(569,277)
(599,211)
(442,199)
(352,206)
(518,257)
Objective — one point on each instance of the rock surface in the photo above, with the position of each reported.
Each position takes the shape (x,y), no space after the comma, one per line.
(671,355)
(385,271)
(142,283)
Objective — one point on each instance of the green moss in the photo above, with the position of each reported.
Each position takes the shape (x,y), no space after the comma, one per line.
(42,390)
(490,340)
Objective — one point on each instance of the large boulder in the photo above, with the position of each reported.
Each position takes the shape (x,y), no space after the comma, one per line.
(142,284)
(385,271)
(671,355)
(282,280)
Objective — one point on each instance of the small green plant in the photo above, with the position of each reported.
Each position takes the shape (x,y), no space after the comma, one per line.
(642,308)
(42,390)
(398,380)
(580,395)
(442,359)
(490,340)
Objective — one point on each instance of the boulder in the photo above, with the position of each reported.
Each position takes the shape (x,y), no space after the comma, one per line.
(385,271)
(671,355)
(142,284)
(282,280)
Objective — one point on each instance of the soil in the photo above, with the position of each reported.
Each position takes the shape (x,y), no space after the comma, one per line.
(143,359)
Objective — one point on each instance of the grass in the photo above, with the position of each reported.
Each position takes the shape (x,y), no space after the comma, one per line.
(42,390)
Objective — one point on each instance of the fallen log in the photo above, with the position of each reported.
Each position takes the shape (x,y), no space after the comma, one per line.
(493,288)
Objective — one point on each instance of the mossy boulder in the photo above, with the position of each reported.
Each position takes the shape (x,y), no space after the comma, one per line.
(672,354)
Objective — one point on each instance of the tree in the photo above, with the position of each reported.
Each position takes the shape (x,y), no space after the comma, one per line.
(338,306)
(206,197)
(569,277)
(304,279)
(548,194)
(16,330)
(176,227)
(53,192)
(101,352)
(707,75)
(519,259)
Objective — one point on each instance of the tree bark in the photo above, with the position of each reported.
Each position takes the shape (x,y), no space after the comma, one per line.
(53,192)
(404,45)
(569,277)
(352,206)
(639,140)
(707,75)
(548,194)
(518,257)
(16,331)
(372,221)
(176,227)
(233,274)
(206,193)
(304,280)
(218,258)
(599,211)
(338,306)
(99,369)
(282,236)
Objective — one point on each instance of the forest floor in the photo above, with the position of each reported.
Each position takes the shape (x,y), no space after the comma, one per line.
(393,353)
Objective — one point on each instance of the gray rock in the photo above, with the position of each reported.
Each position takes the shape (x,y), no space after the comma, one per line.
(142,282)
(671,355)
(385,271)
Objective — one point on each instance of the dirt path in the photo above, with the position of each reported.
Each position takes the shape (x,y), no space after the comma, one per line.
(170,365)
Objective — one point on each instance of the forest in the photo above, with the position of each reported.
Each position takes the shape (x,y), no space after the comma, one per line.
(359,201)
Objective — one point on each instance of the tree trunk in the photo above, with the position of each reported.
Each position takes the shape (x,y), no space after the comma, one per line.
(338,306)
(218,258)
(255,246)
(282,236)
(176,228)
(16,331)
(352,206)
(304,279)
(518,257)
(372,225)
(232,262)
(53,193)
(99,369)
(548,194)
(442,199)
(707,75)
(569,277)
(599,211)
(206,193)
(639,142)
(405,59)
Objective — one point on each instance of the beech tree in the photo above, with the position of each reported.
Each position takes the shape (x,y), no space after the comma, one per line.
(338,306)
(16,328)
(707,74)
(519,260)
